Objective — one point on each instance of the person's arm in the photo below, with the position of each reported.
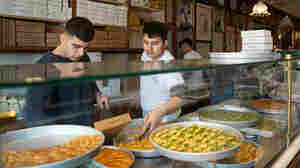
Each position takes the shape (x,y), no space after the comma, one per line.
(103,101)
(175,86)
(153,118)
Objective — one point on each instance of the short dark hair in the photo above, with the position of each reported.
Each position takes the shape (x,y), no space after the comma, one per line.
(156,29)
(80,27)
(186,41)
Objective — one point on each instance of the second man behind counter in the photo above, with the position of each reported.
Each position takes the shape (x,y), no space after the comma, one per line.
(187,46)
(157,101)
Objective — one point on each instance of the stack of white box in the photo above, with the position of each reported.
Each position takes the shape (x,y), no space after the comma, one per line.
(258,41)
(140,3)
(82,8)
(53,9)
(101,13)
(6,6)
(257,45)
(29,8)
(59,9)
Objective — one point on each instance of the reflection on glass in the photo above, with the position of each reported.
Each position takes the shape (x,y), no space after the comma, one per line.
(33,74)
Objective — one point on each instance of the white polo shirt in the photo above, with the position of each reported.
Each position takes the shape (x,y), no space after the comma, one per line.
(155,89)
(192,55)
(195,78)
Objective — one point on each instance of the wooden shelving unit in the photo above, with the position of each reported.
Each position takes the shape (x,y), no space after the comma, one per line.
(45,49)
(119,50)
(37,19)
(109,2)
(106,25)
(27,49)
(74,13)
(144,9)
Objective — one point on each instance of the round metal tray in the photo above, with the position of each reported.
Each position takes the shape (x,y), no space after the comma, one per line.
(235,124)
(115,148)
(131,129)
(196,157)
(251,163)
(268,111)
(48,136)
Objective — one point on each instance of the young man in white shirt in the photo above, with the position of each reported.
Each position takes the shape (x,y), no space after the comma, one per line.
(186,45)
(158,103)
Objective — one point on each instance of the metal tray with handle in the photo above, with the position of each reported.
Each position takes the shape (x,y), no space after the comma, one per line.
(131,130)
(48,136)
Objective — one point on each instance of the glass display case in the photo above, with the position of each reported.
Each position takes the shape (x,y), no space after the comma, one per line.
(219,94)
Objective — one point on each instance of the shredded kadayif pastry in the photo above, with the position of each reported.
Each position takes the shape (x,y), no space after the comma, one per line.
(246,153)
(143,144)
(114,158)
(34,157)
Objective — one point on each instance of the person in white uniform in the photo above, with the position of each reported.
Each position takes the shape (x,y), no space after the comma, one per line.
(193,80)
(157,102)
(187,46)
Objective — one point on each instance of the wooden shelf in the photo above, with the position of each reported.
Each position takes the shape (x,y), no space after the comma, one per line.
(109,2)
(116,50)
(32,19)
(106,25)
(144,9)
(204,41)
(27,49)
(45,49)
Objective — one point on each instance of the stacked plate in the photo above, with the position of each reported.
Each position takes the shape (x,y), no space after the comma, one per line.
(257,41)
(240,57)
(257,46)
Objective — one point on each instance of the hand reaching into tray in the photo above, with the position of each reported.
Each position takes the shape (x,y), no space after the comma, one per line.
(153,118)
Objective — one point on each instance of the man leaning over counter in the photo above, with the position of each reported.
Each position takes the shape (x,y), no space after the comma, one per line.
(156,98)
(65,103)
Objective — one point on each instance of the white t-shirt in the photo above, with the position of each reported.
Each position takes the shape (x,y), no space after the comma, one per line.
(155,89)
(195,78)
(192,55)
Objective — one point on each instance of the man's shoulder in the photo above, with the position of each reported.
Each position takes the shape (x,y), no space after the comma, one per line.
(192,55)
(50,58)
(47,58)
(195,53)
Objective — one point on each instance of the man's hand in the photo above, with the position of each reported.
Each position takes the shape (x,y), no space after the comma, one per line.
(103,101)
(152,119)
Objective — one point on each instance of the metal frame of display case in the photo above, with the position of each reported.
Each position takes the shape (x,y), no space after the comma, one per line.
(49,76)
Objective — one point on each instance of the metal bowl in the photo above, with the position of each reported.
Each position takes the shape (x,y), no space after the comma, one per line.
(132,130)
(251,163)
(48,136)
(196,157)
(97,164)
(235,124)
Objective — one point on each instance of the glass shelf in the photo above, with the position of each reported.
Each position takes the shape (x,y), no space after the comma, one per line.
(48,74)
